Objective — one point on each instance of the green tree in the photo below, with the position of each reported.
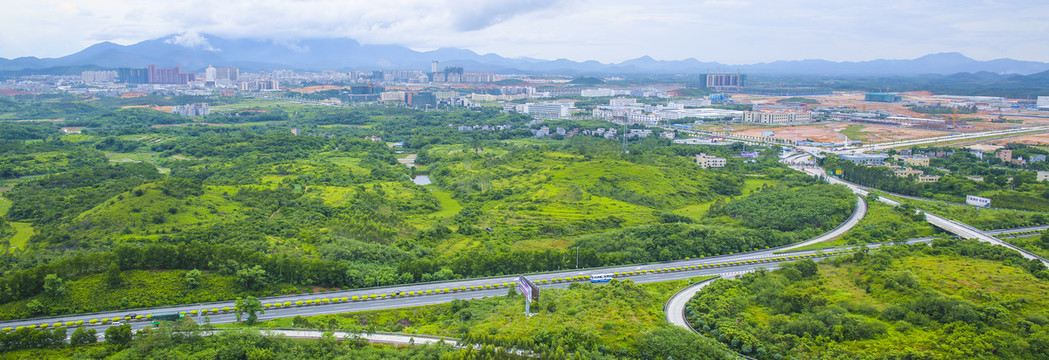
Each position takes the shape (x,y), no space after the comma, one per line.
(112,276)
(35,307)
(193,278)
(250,305)
(83,336)
(54,286)
(253,278)
(807,267)
(119,335)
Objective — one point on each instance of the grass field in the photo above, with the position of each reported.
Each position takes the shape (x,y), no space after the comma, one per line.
(750,185)
(695,211)
(130,157)
(854,132)
(23,231)
(447,206)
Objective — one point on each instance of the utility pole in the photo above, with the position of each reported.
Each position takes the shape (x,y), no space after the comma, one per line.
(576,257)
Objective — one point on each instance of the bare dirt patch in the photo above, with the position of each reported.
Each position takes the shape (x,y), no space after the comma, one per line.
(1034,139)
(819,133)
(831,132)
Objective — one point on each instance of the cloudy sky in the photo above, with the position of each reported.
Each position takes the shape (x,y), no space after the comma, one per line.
(727,31)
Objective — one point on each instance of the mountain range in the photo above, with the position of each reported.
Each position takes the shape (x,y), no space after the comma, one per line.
(195,52)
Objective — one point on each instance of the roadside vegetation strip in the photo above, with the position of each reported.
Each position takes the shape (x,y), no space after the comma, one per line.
(319,332)
(324,301)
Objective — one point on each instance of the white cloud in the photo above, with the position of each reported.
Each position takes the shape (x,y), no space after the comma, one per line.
(730,31)
(191,40)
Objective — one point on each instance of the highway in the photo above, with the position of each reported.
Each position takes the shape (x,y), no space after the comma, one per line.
(961,229)
(675,270)
(894,144)
(675,308)
(377,337)
(733,265)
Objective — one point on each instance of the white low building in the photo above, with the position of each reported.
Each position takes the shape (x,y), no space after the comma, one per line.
(1043,102)
(709,161)
(777,117)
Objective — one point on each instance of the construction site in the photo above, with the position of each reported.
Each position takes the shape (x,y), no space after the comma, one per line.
(851,117)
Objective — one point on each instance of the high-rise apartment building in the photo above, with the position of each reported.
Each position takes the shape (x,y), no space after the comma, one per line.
(132,76)
(723,82)
(98,76)
(172,75)
(214,74)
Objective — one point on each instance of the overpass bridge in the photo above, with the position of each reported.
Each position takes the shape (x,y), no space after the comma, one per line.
(955,227)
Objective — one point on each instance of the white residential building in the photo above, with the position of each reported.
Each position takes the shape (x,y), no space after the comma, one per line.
(392,96)
(709,161)
(200,109)
(694,102)
(103,76)
(602,92)
(1043,175)
(548,109)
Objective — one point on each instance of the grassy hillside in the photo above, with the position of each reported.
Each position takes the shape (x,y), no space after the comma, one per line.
(955,299)
(535,188)
(346,212)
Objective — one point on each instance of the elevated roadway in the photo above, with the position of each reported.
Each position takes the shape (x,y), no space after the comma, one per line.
(955,227)
(963,136)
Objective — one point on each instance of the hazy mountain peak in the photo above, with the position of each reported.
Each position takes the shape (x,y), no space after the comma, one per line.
(193,51)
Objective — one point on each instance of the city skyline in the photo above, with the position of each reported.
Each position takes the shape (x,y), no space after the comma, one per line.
(727,31)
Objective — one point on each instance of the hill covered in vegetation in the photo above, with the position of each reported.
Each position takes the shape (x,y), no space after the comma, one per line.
(954,299)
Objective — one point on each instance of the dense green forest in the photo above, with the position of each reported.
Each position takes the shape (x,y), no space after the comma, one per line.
(140,198)
(953,299)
